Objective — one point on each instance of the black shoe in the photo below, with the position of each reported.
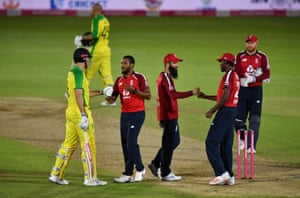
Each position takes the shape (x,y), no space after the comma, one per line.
(153,169)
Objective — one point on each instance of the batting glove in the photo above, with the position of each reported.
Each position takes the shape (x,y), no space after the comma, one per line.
(251,79)
(258,72)
(77,41)
(84,123)
(247,80)
(107,91)
(243,82)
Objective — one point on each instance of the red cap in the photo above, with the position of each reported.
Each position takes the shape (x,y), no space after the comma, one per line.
(227,57)
(252,38)
(172,58)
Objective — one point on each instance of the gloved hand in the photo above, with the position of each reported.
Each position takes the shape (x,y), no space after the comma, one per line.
(77,41)
(107,91)
(244,82)
(247,80)
(258,72)
(84,123)
(251,79)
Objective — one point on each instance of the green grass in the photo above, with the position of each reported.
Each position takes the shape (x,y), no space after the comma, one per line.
(36,54)
(26,168)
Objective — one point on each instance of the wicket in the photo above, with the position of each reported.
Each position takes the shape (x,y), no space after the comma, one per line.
(245,154)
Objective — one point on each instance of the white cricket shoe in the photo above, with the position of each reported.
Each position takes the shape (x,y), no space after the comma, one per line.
(242,145)
(230,181)
(106,104)
(55,179)
(124,179)
(139,175)
(94,182)
(171,177)
(249,150)
(220,180)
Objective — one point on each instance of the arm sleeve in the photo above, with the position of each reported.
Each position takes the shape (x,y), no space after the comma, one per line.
(266,69)
(143,83)
(78,77)
(94,28)
(237,66)
(184,94)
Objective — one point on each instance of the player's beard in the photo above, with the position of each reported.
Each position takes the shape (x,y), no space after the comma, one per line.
(125,71)
(173,72)
(223,67)
(251,49)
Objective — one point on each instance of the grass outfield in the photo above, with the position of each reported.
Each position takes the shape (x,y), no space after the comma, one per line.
(23,175)
(36,55)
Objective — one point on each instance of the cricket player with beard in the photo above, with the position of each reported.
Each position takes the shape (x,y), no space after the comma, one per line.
(253,68)
(133,89)
(167,114)
(79,120)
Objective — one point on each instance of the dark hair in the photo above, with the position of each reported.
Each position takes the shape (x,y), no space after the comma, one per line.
(130,58)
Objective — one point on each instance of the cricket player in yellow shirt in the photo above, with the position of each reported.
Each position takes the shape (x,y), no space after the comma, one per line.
(98,41)
(79,120)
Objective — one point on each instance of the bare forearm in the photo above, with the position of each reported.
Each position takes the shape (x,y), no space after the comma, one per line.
(96,93)
(214,98)
(143,95)
(222,101)
(79,100)
(204,96)
(219,105)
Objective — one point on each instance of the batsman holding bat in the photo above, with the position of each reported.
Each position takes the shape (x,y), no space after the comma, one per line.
(98,42)
(79,124)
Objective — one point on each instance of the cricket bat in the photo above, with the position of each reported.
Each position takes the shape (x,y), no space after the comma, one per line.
(89,156)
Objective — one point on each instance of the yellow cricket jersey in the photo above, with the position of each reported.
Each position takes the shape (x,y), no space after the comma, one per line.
(100,31)
(77,80)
